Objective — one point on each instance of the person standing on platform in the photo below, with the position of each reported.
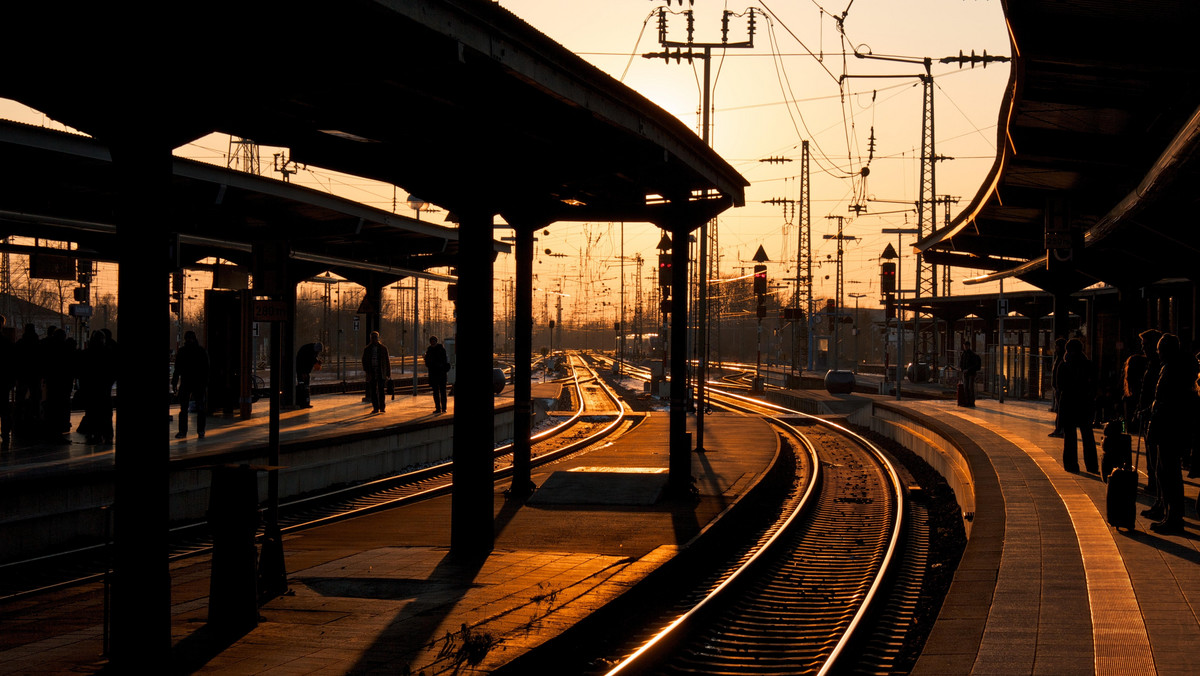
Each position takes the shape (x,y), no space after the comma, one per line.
(1060,351)
(1171,417)
(1146,388)
(1131,382)
(378,369)
(970,363)
(97,374)
(29,382)
(307,359)
(1076,406)
(8,382)
(190,380)
(438,365)
(59,365)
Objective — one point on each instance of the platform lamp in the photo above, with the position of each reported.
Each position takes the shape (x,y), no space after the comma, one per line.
(856,296)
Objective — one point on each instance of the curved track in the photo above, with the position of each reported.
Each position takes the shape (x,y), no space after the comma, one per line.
(796,603)
(800,598)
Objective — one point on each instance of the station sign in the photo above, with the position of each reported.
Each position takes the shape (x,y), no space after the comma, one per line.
(79,310)
(270,310)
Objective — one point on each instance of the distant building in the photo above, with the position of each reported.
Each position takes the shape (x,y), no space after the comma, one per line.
(21,312)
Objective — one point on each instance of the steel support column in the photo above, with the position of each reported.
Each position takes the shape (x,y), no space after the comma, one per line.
(1062,315)
(471,503)
(522,484)
(141,583)
(680,463)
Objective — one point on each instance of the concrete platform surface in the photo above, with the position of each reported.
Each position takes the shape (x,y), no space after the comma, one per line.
(1056,590)
(382,594)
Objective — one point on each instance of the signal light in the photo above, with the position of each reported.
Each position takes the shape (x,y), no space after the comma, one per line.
(664,269)
(887,277)
(760,279)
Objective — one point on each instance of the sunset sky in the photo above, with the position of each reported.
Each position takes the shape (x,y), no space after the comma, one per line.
(789,87)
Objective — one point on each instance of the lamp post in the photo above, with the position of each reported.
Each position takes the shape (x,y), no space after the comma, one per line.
(856,296)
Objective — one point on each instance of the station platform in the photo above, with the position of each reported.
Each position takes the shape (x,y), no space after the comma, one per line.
(331,415)
(1045,586)
(381,593)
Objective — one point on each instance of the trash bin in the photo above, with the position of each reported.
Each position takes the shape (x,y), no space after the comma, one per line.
(498,380)
(233,519)
(839,382)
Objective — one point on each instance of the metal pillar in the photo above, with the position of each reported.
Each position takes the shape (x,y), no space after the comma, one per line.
(522,484)
(141,584)
(680,464)
(471,501)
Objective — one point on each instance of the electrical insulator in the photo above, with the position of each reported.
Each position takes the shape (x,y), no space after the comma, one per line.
(887,277)
(760,279)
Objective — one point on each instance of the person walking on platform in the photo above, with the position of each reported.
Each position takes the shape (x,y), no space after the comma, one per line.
(378,370)
(970,363)
(8,382)
(1077,383)
(307,359)
(190,380)
(1146,388)
(1171,416)
(438,365)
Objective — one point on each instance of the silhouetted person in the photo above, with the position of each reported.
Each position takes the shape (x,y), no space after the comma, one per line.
(97,373)
(29,382)
(969,362)
(8,382)
(190,380)
(1171,417)
(1147,386)
(438,365)
(1077,382)
(378,369)
(1131,381)
(1060,352)
(58,367)
(307,359)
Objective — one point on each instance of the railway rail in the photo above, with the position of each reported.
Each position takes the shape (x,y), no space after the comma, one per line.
(599,413)
(800,596)
(834,585)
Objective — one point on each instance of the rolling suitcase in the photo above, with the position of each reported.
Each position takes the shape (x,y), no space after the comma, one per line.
(962,395)
(1121,495)
(1117,449)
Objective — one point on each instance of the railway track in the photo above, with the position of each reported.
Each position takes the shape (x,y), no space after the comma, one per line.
(834,585)
(599,413)
(801,596)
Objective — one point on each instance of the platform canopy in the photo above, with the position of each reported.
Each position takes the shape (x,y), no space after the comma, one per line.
(458,101)
(1099,130)
(61,186)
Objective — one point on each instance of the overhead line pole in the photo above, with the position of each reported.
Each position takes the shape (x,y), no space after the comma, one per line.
(706,104)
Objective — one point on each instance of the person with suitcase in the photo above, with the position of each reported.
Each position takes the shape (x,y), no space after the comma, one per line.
(1170,418)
